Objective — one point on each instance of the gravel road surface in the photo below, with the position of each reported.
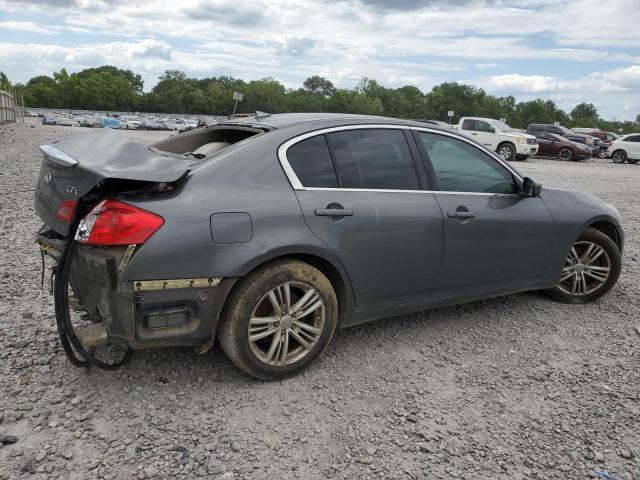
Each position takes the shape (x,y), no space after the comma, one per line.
(511,388)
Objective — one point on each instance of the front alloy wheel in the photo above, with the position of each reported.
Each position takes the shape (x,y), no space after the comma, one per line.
(619,156)
(586,270)
(278,319)
(506,151)
(591,269)
(565,154)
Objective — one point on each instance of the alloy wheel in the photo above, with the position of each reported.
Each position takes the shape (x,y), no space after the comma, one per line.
(506,152)
(587,268)
(565,154)
(619,156)
(286,323)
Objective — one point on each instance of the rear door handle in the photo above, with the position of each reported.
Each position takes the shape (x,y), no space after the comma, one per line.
(333,212)
(462,215)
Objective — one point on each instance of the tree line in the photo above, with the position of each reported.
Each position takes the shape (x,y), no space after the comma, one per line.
(108,88)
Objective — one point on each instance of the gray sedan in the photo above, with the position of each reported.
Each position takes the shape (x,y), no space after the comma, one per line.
(270,232)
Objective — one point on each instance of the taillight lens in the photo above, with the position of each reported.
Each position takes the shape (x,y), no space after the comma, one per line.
(66,209)
(112,222)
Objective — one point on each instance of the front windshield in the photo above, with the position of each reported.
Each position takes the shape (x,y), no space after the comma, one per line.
(503,127)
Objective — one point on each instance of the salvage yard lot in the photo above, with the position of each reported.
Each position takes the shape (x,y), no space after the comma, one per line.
(515,387)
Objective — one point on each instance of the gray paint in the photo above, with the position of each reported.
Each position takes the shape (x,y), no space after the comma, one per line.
(398,252)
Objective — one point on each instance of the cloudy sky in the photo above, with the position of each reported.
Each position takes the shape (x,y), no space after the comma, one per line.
(568,50)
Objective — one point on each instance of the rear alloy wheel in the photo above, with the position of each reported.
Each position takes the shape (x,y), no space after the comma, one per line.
(507,151)
(279,320)
(602,154)
(619,156)
(591,269)
(565,154)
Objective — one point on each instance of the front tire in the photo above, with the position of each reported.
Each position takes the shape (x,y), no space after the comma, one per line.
(592,269)
(566,154)
(507,151)
(279,319)
(619,156)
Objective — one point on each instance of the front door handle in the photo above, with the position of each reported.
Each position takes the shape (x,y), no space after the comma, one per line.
(461,214)
(333,212)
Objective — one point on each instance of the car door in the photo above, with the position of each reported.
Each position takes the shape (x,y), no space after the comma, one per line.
(360,190)
(481,133)
(545,144)
(632,146)
(493,236)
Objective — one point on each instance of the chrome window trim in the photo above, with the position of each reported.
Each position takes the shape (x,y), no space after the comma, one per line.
(297,185)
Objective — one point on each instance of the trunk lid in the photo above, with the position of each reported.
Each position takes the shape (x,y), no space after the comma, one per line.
(71,168)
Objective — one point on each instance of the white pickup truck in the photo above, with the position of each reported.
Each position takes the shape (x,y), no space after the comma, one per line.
(499,137)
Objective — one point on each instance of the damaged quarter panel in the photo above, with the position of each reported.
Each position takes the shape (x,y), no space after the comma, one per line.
(247,180)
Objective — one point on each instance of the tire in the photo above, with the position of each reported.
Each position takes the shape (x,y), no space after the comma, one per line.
(250,306)
(590,284)
(619,156)
(507,151)
(566,154)
(602,154)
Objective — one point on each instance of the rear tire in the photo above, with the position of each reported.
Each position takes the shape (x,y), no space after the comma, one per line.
(619,156)
(271,343)
(582,280)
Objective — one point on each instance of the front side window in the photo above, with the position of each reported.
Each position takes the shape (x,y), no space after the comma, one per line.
(311,161)
(461,167)
(482,126)
(373,159)
(634,138)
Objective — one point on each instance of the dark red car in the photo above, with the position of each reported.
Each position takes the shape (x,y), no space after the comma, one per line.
(552,145)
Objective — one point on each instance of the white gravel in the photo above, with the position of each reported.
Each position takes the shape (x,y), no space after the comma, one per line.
(516,387)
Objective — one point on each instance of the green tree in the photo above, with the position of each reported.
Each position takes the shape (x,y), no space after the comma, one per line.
(585,113)
(318,85)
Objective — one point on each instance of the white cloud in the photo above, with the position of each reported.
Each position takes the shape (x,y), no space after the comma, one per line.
(24,27)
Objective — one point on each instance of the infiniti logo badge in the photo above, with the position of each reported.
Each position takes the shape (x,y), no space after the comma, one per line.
(47,178)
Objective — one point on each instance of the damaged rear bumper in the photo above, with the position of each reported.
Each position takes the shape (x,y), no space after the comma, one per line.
(138,313)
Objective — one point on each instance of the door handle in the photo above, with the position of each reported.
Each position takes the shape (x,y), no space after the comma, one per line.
(461,214)
(333,212)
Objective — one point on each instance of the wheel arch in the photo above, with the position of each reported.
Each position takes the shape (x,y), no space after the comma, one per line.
(329,267)
(609,228)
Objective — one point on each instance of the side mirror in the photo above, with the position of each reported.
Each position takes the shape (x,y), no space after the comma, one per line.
(492,130)
(531,188)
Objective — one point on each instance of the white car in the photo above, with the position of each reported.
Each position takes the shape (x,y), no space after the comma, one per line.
(180,126)
(133,123)
(499,137)
(625,148)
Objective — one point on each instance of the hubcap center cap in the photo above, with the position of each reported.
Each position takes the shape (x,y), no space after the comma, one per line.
(286,322)
(579,268)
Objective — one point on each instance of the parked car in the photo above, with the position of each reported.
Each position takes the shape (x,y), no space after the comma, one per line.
(66,122)
(439,123)
(625,148)
(605,139)
(553,145)
(110,122)
(192,123)
(534,128)
(352,215)
(499,137)
(48,120)
(180,125)
(148,124)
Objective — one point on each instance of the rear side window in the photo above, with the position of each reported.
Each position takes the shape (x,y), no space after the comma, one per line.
(467,124)
(311,162)
(373,159)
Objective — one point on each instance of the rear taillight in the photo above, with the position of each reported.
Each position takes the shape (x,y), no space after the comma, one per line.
(66,209)
(117,223)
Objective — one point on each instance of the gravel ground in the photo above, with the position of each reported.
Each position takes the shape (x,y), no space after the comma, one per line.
(516,387)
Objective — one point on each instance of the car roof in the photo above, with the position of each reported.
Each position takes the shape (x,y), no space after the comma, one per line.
(284,120)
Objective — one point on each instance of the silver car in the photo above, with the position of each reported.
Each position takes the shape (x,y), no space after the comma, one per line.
(270,232)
